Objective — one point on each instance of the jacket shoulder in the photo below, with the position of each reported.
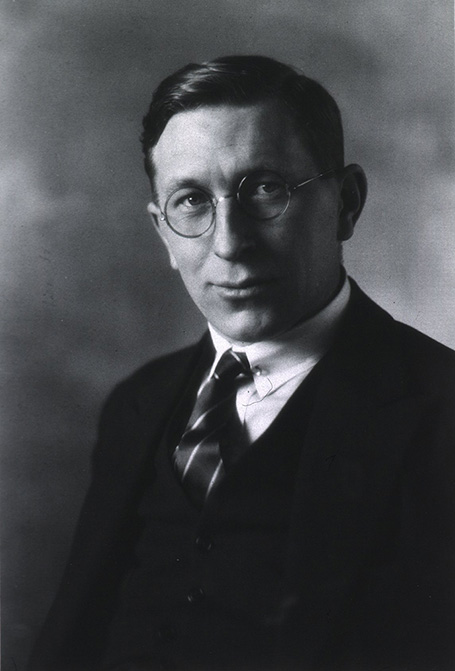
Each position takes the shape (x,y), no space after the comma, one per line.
(381,342)
(139,405)
(158,376)
(429,353)
(430,365)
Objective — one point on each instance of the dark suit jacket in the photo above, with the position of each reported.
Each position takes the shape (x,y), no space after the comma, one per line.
(370,566)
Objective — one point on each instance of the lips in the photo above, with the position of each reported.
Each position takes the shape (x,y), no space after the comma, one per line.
(242,289)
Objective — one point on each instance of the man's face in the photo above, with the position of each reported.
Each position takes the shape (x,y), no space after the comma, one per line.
(251,279)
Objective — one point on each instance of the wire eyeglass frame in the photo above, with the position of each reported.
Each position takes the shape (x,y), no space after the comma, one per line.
(238,195)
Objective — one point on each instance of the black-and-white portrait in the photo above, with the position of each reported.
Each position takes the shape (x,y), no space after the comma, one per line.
(228,299)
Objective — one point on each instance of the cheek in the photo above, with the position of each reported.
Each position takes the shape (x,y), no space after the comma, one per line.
(180,250)
(308,256)
(190,265)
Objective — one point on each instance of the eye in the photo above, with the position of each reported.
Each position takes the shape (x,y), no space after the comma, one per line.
(263,187)
(267,188)
(188,202)
(190,199)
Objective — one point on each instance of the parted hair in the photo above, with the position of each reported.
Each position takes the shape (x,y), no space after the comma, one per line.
(249,80)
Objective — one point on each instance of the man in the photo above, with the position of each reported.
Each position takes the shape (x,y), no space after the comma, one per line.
(280,495)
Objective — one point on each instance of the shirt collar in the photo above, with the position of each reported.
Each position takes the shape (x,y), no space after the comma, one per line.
(296,352)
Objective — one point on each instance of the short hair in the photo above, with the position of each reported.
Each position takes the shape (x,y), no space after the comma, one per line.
(249,80)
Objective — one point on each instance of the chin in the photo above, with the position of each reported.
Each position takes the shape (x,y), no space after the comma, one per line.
(247,331)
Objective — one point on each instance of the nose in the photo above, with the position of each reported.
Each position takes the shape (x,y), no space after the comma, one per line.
(231,236)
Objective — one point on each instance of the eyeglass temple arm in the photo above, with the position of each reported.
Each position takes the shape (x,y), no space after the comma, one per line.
(311,179)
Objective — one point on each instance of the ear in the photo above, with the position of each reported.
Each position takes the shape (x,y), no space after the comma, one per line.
(158,221)
(353,194)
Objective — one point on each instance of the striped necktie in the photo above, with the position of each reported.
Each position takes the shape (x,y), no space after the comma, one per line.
(197,458)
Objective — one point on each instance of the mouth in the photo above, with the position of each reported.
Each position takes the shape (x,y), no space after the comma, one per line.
(245,289)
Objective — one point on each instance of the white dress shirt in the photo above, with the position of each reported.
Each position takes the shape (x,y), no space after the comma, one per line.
(281,364)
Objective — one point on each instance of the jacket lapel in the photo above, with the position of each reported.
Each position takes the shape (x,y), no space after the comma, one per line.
(360,426)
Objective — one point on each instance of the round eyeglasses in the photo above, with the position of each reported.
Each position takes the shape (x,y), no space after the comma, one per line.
(263,195)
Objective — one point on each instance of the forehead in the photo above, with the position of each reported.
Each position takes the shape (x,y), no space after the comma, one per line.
(226,141)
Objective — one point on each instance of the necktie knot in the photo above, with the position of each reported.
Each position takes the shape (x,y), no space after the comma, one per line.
(197,458)
(231,365)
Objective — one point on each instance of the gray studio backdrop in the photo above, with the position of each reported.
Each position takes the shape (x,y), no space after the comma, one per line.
(86,292)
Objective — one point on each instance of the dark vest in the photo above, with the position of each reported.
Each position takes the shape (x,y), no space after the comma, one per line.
(205,590)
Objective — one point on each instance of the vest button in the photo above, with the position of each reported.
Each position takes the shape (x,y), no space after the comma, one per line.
(167,633)
(195,595)
(204,543)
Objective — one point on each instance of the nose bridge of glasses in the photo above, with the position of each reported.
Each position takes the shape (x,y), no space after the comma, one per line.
(225,213)
(216,201)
